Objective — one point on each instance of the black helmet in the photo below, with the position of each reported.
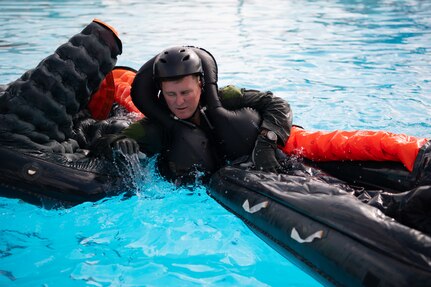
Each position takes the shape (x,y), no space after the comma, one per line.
(177,62)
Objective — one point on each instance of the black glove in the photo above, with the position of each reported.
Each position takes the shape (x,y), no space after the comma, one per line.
(263,155)
(126,145)
(104,145)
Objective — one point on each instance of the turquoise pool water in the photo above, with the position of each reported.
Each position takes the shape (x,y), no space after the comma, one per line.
(341,64)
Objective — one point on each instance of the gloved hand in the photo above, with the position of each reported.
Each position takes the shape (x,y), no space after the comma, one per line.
(125,145)
(104,145)
(263,155)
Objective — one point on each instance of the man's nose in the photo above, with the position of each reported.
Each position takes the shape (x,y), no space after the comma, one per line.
(179,100)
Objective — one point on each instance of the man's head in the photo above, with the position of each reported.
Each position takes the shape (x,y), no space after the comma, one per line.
(182,95)
(179,73)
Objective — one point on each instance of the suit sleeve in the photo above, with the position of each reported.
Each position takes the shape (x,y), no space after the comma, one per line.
(275,112)
(148,134)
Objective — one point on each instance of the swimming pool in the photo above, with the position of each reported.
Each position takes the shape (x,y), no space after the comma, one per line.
(341,65)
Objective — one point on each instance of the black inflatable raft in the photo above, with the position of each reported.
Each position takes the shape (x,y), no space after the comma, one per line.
(327,230)
(46,129)
(48,178)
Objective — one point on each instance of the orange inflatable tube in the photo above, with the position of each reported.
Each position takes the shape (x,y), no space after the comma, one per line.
(123,78)
(102,100)
(354,145)
(115,88)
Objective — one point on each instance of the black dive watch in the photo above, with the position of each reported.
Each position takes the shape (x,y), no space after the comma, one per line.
(272,136)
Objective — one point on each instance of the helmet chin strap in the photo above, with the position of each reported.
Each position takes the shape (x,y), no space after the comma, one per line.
(186,122)
(189,121)
(193,116)
(201,110)
(204,115)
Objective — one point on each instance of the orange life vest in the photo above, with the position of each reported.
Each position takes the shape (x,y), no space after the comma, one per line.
(115,88)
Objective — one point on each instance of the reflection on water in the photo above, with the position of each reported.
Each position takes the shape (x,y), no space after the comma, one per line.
(347,64)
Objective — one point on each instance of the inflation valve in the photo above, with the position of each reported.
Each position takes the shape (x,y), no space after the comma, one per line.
(31,171)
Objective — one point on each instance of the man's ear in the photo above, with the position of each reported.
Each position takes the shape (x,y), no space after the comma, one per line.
(201,82)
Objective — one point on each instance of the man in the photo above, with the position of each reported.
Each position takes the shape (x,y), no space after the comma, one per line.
(195,126)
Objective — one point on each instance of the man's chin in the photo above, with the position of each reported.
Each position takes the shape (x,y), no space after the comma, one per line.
(182,116)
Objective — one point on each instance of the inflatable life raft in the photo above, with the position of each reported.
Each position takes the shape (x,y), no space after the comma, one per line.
(343,235)
(54,113)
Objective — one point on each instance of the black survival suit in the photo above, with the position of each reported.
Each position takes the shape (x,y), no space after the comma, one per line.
(231,119)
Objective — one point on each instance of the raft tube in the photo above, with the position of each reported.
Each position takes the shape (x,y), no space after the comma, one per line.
(372,159)
(46,128)
(47,179)
(325,230)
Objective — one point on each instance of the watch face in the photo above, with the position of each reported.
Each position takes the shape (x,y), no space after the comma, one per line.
(271,135)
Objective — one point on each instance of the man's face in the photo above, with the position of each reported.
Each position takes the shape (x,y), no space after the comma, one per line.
(182,96)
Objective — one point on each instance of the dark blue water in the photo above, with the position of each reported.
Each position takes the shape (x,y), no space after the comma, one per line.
(341,65)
